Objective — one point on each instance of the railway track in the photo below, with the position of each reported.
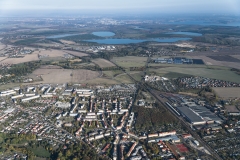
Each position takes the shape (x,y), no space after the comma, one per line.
(183,122)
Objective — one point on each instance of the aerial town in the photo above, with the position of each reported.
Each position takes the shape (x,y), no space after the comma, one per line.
(78,86)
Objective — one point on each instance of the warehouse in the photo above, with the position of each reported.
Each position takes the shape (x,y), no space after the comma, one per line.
(192,117)
(205,114)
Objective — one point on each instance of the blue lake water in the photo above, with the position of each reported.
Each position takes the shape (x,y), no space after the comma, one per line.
(140,28)
(103,34)
(129,41)
(203,23)
(61,35)
(186,33)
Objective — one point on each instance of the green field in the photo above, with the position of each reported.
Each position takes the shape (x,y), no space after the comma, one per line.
(130,61)
(112,73)
(102,81)
(215,72)
(123,78)
(41,152)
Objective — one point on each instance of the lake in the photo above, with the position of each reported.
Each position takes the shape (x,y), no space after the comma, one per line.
(203,23)
(61,35)
(186,33)
(103,34)
(140,28)
(129,41)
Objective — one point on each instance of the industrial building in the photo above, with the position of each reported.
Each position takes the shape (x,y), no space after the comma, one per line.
(205,114)
(191,116)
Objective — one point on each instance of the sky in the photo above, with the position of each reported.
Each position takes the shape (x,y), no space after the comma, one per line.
(137,6)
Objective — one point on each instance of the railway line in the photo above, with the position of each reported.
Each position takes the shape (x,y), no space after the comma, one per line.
(183,122)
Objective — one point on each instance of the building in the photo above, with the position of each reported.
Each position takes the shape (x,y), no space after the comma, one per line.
(30,98)
(7,93)
(62,104)
(173,138)
(190,116)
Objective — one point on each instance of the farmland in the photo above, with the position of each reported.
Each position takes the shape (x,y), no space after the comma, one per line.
(77,54)
(50,53)
(64,75)
(210,61)
(123,78)
(224,58)
(213,72)
(130,61)
(27,58)
(227,92)
(103,81)
(2,46)
(103,63)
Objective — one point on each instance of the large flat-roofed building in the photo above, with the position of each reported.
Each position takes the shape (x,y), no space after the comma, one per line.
(206,114)
(192,117)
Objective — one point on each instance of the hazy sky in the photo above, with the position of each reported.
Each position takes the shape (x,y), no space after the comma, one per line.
(161,6)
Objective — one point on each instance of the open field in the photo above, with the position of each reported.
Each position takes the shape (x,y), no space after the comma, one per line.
(103,63)
(75,60)
(2,58)
(49,44)
(112,73)
(210,61)
(136,75)
(65,75)
(215,73)
(77,54)
(2,46)
(82,65)
(231,108)
(236,56)
(226,58)
(50,67)
(9,85)
(67,42)
(130,61)
(27,58)
(227,92)
(102,81)
(50,53)
(123,78)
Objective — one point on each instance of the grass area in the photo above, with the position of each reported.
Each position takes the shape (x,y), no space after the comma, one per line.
(83,64)
(103,62)
(103,81)
(227,92)
(52,59)
(112,73)
(9,85)
(175,75)
(137,76)
(123,78)
(130,61)
(215,72)
(26,41)
(41,152)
